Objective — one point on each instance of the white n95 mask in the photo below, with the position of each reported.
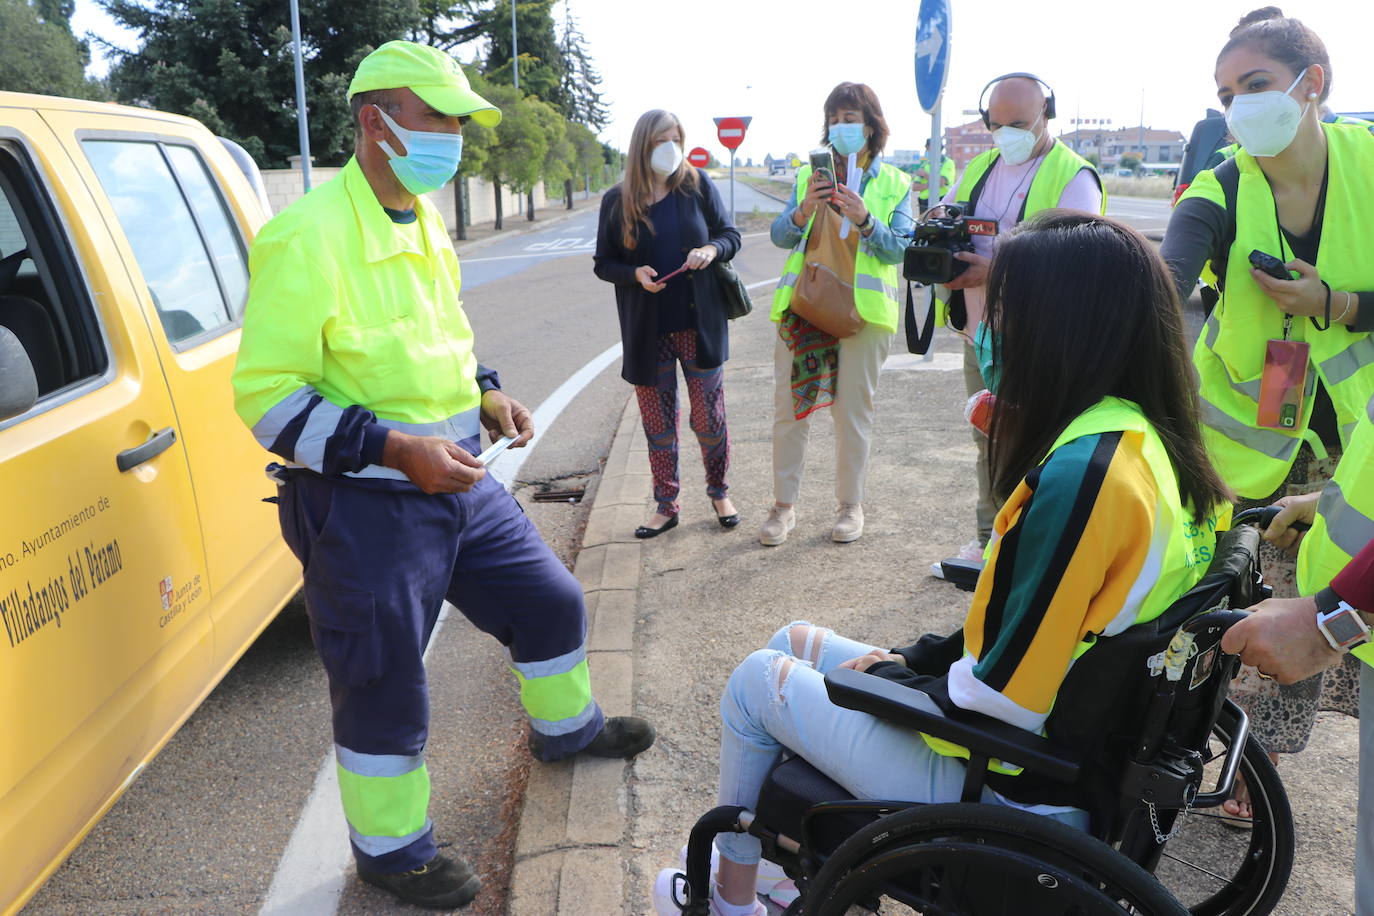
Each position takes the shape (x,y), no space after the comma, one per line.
(1015,143)
(665,158)
(1265,123)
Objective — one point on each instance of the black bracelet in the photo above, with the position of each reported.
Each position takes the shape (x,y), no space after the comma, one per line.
(1328,310)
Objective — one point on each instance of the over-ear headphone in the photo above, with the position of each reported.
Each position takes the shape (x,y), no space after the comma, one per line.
(982,109)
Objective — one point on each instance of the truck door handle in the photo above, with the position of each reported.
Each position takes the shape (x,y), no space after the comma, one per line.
(157,443)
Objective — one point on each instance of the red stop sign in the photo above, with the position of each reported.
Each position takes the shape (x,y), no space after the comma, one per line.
(699,157)
(731,131)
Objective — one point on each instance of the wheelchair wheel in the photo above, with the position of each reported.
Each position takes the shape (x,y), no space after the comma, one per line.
(1219,870)
(983,860)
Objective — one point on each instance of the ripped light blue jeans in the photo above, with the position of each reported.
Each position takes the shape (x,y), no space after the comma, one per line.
(770,707)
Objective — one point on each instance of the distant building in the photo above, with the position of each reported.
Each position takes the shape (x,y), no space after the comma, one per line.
(902,158)
(1159,148)
(964,142)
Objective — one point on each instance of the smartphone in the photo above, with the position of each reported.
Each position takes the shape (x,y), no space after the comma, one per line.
(823,164)
(1269,264)
(496,448)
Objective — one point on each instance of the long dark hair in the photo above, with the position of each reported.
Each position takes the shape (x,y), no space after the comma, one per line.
(1080,308)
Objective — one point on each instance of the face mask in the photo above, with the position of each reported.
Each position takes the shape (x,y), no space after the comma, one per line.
(431,158)
(847,138)
(984,348)
(665,158)
(1014,143)
(1265,123)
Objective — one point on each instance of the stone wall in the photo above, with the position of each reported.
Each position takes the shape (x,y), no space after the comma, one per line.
(284,186)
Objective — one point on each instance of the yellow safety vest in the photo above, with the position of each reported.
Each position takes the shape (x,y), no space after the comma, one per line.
(1229,354)
(1345,518)
(875,283)
(1060,167)
(1186,553)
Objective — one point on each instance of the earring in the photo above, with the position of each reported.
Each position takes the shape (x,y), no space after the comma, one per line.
(1312,95)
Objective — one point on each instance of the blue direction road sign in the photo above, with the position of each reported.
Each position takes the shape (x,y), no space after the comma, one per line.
(932,52)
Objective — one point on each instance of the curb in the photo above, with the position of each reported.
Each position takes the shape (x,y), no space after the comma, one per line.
(575,823)
(462,247)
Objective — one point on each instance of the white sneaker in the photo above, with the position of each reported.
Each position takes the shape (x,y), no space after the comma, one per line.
(776,526)
(770,873)
(669,888)
(849,523)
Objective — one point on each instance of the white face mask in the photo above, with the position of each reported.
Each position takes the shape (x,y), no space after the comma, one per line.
(1265,123)
(666,157)
(1015,144)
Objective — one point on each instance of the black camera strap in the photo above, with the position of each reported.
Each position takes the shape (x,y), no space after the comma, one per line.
(918,340)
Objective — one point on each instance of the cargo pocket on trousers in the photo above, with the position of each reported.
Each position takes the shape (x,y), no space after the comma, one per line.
(343,623)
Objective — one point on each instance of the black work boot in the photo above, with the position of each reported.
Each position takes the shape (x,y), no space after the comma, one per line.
(440,884)
(622,736)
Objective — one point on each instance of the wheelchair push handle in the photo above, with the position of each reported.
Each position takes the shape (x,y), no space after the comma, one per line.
(1264,516)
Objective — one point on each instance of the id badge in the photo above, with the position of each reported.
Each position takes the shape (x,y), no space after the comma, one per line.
(1282,384)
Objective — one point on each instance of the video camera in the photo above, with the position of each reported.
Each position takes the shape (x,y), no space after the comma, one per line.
(930,257)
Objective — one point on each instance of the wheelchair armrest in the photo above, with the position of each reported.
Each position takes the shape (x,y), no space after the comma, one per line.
(979,733)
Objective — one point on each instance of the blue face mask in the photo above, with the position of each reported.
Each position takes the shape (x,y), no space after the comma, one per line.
(984,348)
(431,158)
(847,138)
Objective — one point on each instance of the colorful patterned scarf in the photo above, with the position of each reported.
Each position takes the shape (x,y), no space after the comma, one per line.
(815,364)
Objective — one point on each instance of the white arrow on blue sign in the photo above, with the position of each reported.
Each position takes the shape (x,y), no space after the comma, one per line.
(932,52)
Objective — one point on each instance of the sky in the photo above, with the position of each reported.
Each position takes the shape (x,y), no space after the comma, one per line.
(776,61)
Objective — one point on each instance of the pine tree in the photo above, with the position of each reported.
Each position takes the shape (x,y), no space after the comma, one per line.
(585,103)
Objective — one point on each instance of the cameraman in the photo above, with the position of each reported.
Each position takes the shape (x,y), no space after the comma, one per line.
(1028,171)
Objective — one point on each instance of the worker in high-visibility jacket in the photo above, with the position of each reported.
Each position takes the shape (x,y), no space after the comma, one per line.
(1282,360)
(356,368)
(1027,172)
(1294,638)
(920,181)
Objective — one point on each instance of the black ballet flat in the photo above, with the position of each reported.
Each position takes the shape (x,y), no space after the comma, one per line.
(644,531)
(728,521)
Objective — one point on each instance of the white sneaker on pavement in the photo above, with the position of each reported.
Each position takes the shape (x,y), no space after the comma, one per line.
(669,888)
(849,523)
(776,526)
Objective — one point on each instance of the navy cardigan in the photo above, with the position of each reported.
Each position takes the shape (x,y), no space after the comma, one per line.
(702,219)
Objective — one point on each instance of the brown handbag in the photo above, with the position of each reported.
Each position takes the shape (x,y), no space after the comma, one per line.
(824,294)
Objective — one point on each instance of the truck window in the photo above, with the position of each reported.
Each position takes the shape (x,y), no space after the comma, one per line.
(179,228)
(42,299)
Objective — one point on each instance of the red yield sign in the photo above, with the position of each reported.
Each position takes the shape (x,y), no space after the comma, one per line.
(699,157)
(731,131)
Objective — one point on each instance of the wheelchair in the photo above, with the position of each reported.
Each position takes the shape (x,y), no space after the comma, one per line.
(1142,737)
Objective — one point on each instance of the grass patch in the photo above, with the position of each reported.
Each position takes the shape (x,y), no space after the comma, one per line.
(1151,186)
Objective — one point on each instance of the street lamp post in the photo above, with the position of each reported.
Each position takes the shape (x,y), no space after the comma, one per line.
(302,130)
(514,47)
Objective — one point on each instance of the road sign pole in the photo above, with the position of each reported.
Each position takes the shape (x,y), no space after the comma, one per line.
(936,160)
(733,218)
(301,128)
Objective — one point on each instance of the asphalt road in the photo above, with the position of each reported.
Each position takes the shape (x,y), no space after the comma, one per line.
(204,828)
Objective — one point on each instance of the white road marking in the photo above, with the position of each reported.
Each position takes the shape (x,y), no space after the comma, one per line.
(533,254)
(314,867)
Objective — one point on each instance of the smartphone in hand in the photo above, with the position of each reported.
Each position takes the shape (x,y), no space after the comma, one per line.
(1269,264)
(823,165)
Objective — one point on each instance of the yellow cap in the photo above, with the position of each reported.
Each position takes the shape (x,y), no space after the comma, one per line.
(431,74)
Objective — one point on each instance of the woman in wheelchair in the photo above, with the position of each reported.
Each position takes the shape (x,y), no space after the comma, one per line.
(1108,517)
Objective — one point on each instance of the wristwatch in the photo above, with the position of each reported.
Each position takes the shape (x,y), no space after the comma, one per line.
(1342,625)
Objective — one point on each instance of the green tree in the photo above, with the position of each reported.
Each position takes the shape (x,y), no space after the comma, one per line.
(1130,162)
(587,157)
(229,64)
(583,100)
(541,61)
(560,157)
(38,52)
(516,156)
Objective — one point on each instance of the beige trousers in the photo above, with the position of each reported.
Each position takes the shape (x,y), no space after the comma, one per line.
(861,362)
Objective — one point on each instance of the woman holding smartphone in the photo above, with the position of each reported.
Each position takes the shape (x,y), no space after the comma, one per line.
(658,226)
(1282,360)
(852,230)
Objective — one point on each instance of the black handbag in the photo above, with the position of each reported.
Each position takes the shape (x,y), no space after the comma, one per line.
(732,290)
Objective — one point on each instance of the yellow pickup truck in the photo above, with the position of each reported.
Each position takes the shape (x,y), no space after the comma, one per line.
(137,558)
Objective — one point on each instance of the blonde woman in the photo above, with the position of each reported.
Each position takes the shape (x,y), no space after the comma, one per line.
(665,216)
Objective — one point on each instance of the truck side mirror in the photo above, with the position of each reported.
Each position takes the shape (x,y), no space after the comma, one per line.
(18,385)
